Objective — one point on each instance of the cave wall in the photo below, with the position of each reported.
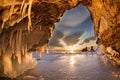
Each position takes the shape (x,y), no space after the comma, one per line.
(106,18)
(26,26)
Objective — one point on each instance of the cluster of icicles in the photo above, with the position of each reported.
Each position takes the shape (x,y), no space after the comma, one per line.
(14,57)
(23,11)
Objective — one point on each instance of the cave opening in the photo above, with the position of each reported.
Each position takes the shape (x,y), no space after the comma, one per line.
(74,31)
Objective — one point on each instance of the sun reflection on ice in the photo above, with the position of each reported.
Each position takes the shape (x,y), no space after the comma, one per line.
(72,60)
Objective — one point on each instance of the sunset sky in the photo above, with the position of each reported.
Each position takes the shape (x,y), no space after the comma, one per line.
(75,28)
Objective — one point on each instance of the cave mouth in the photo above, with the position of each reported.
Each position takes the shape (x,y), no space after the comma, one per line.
(74,31)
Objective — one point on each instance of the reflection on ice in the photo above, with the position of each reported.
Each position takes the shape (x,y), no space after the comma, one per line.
(29,77)
(72,60)
(84,66)
(116,74)
(41,78)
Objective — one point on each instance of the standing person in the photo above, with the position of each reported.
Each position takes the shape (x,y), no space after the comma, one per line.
(92,50)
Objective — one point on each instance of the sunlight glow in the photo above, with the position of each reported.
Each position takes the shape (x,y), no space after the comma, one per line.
(71,48)
(72,60)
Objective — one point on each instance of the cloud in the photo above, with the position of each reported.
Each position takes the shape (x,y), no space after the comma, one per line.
(57,34)
(54,41)
(69,19)
(73,38)
(87,40)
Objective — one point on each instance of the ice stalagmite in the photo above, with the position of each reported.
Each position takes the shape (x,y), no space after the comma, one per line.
(7,63)
(41,50)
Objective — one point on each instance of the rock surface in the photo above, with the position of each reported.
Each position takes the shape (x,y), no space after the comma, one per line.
(26,25)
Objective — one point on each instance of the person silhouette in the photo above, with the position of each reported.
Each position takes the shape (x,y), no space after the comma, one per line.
(92,50)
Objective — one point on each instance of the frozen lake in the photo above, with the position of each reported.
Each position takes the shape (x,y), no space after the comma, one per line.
(85,66)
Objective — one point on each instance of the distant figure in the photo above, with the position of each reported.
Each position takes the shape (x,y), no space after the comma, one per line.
(84,49)
(92,49)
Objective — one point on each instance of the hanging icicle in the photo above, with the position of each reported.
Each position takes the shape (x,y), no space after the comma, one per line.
(10,40)
(14,55)
(40,27)
(22,5)
(3,24)
(12,9)
(18,41)
(24,9)
(29,14)
(5,17)
(0,52)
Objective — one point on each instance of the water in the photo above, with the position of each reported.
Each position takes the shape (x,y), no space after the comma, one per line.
(72,67)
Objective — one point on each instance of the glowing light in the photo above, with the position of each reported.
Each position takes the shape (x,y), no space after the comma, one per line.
(71,48)
(66,47)
(72,60)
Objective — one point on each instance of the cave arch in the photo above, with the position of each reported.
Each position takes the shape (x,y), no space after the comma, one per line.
(75,29)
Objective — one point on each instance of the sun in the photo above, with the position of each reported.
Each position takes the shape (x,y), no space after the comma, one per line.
(71,48)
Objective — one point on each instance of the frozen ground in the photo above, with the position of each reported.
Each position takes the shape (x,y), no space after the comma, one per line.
(83,66)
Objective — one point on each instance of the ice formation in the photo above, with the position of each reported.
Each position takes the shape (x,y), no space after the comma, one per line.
(19,36)
(25,10)
(15,58)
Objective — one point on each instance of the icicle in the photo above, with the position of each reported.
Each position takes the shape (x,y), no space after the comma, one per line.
(11,37)
(3,24)
(41,50)
(20,19)
(17,43)
(40,27)
(13,42)
(24,10)
(26,57)
(5,17)
(12,8)
(19,57)
(0,52)
(23,51)
(13,56)
(30,57)
(23,2)
(20,38)
(51,29)
(29,14)
(3,45)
